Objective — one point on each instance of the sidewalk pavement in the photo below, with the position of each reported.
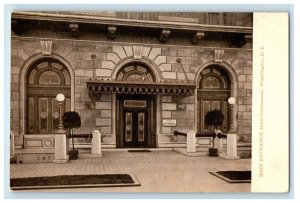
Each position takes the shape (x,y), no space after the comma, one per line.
(157,171)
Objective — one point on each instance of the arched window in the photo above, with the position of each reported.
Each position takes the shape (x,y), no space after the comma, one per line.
(45,79)
(135,72)
(211,82)
(49,77)
(213,93)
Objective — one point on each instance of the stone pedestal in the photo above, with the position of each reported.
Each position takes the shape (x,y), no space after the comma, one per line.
(191,141)
(231,147)
(96,144)
(219,144)
(60,154)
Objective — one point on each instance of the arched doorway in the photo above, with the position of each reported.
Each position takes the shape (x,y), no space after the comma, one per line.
(44,80)
(212,93)
(136,115)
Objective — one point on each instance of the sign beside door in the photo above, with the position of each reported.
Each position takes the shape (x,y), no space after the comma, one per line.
(169,122)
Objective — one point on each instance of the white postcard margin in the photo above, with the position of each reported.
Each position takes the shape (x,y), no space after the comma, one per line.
(270,108)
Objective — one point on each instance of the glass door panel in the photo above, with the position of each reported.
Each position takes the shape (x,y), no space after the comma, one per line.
(135,130)
(43,115)
(141,128)
(128,127)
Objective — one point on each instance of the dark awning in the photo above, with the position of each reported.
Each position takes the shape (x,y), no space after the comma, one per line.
(168,87)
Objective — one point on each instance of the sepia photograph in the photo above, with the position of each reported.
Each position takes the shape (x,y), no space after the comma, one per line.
(148,101)
(114,101)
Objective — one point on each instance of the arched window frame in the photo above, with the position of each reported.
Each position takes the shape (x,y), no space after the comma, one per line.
(126,72)
(36,72)
(222,78)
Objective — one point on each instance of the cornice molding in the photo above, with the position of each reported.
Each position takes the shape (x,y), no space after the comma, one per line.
(71,18)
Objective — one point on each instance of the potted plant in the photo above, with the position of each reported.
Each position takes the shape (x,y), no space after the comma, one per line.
(214,118)
(71,121)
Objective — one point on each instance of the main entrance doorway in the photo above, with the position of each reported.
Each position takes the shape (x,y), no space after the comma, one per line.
(136,111)
(136,121)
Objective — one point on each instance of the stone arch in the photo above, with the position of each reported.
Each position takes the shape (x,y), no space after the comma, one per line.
(147,62)
(231,74)
(22,78)
(233,86)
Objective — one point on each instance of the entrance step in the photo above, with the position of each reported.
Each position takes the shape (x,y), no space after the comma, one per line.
(244,150)
(199,152)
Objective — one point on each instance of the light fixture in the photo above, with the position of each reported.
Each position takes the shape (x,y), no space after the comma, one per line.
(60,98)
(231,100)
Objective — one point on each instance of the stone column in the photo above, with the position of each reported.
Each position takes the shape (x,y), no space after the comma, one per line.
(191,141)
(12,143)
(231,146)
(96,144)
(60,155)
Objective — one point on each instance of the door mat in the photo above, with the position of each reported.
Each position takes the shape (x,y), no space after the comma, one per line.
(234,176)
(140,150)
(74,181)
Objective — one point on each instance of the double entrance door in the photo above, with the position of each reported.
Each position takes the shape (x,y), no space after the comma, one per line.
(136,126)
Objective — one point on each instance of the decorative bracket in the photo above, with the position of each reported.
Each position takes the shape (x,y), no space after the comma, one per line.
(111,32)
(164,36)
(197,37)
(248,38)
(46,47)
(241,41)
(74,29)
(16,27)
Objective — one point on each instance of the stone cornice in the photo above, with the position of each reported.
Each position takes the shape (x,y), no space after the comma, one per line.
(72,18)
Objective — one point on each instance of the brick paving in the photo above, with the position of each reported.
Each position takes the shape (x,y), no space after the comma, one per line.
(158,171)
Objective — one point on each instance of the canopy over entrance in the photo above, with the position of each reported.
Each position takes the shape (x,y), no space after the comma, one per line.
(168,87)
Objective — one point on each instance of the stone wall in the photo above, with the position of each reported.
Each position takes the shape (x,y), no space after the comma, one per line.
(97,113)
(178,108)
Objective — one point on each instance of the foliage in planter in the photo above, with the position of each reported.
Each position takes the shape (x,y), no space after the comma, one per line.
(214,118)
(71,120)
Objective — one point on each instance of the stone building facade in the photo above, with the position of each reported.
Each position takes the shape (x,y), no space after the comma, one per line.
(136,77)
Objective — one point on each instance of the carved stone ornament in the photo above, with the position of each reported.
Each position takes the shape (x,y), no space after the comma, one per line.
(137,52)
(218,58)
(46,47)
